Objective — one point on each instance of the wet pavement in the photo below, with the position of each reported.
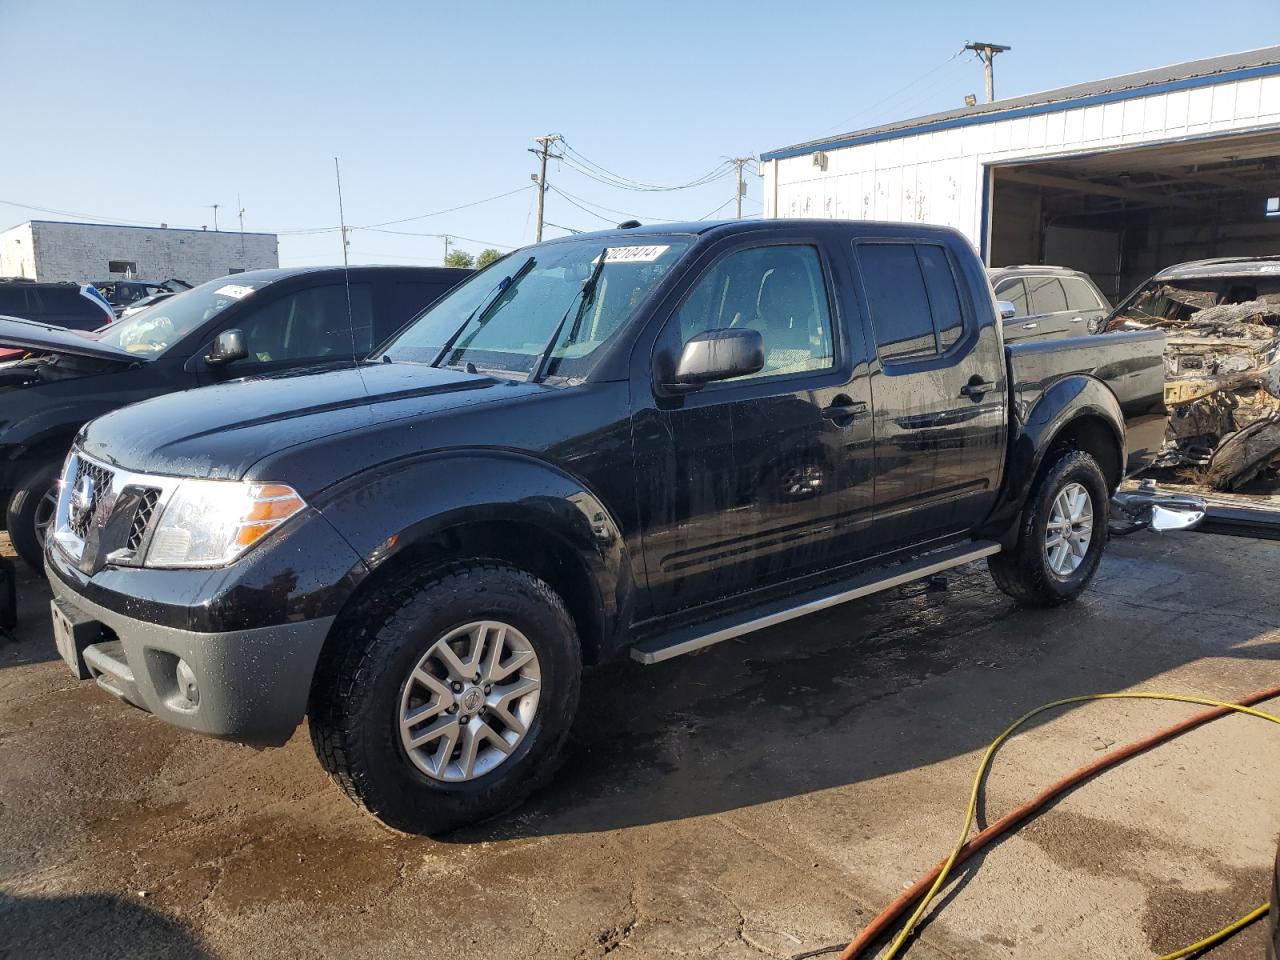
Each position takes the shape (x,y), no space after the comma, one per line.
(762,798)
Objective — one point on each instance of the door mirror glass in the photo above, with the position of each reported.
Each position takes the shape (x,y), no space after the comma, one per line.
(720,355)
(1007,310)
(227,346)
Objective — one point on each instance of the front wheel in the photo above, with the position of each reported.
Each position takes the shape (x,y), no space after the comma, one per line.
(1063,532)
(30,514)
(450,702)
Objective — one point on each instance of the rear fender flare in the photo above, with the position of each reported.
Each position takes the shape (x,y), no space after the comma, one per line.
(1036,427)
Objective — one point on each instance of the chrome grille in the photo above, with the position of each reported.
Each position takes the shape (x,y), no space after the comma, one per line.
(102,478)
(149,500)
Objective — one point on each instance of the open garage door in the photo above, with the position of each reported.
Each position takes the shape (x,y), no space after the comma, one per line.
(1120,215)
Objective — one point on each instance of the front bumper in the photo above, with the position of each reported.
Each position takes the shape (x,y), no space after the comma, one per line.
(251,685)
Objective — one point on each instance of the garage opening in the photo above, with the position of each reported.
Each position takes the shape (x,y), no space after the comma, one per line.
(1120,215)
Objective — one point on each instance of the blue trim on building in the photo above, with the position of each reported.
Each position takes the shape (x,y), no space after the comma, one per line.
(984,226)
(1013,113)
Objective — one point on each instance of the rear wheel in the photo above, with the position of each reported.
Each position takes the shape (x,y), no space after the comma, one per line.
(30,514)
(450,702)
(1063,532)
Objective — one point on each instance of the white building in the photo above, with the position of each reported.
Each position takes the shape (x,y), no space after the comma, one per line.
(56,250)
(1117,177)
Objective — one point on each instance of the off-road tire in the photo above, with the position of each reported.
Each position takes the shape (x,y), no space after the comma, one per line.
(20,518)
(355,694)
(1023,572)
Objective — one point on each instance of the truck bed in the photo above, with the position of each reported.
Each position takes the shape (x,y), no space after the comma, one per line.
(1131,365)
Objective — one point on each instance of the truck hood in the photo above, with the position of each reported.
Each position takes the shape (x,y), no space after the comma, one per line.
(221,431)
(30,335)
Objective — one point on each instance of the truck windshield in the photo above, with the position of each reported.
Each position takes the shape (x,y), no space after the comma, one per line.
(157,328)
(502,318)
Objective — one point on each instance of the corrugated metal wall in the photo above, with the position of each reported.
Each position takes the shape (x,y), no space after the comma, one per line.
(938,176)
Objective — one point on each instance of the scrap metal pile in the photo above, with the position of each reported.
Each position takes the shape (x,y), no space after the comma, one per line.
(1222,384)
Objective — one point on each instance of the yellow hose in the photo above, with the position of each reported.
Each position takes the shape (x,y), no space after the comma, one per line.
(896,947)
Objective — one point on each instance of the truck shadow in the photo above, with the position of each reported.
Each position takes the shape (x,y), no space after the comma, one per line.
(97,925)
(848,695)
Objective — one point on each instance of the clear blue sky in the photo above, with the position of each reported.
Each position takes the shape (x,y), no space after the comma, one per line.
(433,105)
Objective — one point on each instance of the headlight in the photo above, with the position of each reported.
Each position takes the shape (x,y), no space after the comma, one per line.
(208,523)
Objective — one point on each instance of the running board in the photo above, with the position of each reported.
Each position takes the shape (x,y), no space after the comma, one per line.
(688,639)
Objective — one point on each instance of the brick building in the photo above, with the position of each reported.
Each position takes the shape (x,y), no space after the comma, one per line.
(57,250)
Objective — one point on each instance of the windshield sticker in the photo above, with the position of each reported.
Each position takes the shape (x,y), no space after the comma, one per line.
(636,254)
(237,291)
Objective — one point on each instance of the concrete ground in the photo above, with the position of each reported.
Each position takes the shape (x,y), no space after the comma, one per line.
(763,798)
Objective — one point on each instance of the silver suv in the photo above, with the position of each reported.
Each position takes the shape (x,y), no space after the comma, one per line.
(1048,301)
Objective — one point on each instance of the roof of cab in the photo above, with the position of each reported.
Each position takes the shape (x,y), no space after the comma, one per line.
(727,227)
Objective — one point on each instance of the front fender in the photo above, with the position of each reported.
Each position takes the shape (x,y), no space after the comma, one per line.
(1037,420)
(401,505)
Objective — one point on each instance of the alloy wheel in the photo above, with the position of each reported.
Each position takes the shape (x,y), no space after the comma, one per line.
(1069,530)
(469,701)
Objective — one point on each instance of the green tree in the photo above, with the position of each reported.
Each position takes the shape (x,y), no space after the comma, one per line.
(487,256)
(459,258)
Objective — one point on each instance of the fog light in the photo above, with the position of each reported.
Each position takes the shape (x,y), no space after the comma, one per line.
(187,683)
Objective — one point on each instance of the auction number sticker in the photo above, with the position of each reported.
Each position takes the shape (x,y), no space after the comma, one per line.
(237,291)
(636,254)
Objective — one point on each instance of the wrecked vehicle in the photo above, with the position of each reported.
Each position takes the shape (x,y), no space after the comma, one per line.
(1222,368)
(640,442)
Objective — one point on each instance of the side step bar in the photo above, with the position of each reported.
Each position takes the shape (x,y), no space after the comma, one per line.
(688,639)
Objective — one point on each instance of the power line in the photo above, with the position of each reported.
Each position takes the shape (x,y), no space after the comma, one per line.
(579,201)
(589,168)
(420,216)
(415,233)
(845,124)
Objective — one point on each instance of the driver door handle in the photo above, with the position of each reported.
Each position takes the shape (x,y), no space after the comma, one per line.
(976,388)
(844,410)
(1030,326)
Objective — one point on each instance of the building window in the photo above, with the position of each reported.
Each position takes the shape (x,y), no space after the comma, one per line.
(127,267)
(231,270)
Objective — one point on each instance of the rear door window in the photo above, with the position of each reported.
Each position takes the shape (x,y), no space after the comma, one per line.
(913,298)
(1046,295)
(1015,292)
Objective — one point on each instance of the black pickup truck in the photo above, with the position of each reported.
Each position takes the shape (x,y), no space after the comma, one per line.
(243,325)
(636,442)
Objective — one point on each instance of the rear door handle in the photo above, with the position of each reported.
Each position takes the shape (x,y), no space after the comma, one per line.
(1030,326)
(976,388)
(1077,319)
(844,410)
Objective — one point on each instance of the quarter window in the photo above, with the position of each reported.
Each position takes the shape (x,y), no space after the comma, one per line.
(779,291)
(913,298)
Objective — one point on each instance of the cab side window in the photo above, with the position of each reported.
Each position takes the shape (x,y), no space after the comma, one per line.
(311,324)
(913,299)
(779,291)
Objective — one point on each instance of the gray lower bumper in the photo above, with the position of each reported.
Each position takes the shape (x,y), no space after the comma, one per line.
(247,685)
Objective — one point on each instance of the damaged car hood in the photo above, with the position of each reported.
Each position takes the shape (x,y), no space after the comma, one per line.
(29,335)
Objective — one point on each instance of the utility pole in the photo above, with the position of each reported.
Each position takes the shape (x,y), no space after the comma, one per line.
(241,206)
(446,250)
(740,162)
(986,53)
(540,178)
(215,207)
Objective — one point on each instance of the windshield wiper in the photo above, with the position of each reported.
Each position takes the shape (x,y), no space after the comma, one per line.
(587,294)
(481,313)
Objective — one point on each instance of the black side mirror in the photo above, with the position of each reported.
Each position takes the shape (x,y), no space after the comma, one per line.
(227,346)
(719,355)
